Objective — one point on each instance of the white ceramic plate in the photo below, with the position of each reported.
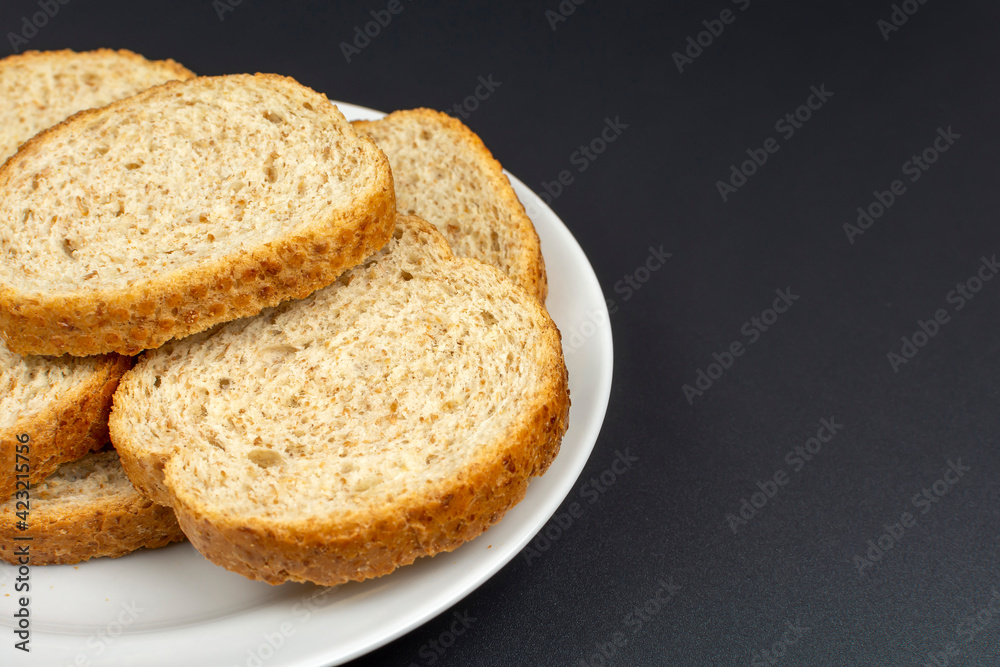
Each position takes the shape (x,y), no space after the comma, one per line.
(170,607)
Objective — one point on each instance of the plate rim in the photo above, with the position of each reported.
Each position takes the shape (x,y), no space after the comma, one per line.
(597,425)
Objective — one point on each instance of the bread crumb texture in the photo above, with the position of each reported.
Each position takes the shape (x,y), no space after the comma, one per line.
(87,509)
(39,89)
(186,205)
(60,403)
(395,414)
(444,173)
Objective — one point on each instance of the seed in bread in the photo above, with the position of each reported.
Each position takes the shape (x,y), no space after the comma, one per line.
(395,414)
(86,509)
(39,89)
(186,205)
(444,174)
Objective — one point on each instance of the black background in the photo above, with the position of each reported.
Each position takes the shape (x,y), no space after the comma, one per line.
(664,519)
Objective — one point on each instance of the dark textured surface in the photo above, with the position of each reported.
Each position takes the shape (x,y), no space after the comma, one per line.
(664,520)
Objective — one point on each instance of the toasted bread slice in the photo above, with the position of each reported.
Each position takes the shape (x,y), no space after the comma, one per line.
(445,174)
(52,410)
(84,510)
(39,89)
(186,205)
(395,414)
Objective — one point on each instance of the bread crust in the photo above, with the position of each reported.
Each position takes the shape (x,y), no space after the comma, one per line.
(528,268)
(170,65)
(75,425)
(106,527)
(107,532)
(330,553)
(332,550)
(185,301)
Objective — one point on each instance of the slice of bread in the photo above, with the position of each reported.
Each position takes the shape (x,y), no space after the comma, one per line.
(395,414)
(445,174)
(60,404)
(84,510)
(186,205)
(41,89)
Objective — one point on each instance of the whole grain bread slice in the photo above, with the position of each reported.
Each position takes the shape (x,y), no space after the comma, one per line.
(395,414)
(85,509)
(186,205)
(60,405)
(52,410)
(39,89)
(444,174)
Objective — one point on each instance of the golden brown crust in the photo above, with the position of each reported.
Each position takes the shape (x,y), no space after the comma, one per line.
(333,551)
(154,311)
(77,424)
(186,301)
(145,472)
(529,266)
(105,528)
(182,73)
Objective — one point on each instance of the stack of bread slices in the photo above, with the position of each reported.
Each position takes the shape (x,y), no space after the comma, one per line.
(318,350)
